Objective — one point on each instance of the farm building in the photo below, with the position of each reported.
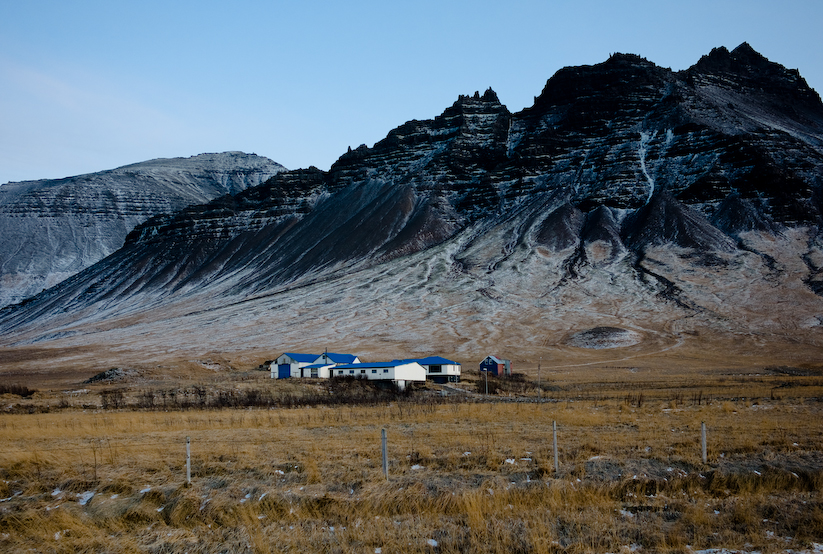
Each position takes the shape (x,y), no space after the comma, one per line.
(289,364)
(309,365)
(316,371)
(399,372)
(439,370)
(330,358)
(496,366)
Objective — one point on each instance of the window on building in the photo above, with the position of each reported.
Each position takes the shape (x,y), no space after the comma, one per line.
(435,369)
(374,371)
(385,371)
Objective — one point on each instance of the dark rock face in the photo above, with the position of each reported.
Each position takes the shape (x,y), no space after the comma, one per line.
(601,225)
(561,229)
(624,154)
(736,214)
(665,220)
(745,70)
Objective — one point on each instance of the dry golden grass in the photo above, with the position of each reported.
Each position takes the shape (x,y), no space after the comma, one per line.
(466,474)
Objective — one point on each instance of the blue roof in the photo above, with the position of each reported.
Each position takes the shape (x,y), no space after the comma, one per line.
(302,358)
(431,360)
(375,365)
(339,358)
(317,366)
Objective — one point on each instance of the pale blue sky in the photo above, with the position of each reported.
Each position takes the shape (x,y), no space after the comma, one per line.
(92,85)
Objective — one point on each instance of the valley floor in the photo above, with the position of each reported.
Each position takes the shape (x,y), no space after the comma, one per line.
(466,472)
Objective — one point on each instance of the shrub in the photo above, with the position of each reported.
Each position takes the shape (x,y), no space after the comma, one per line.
(112,399)
(19,390)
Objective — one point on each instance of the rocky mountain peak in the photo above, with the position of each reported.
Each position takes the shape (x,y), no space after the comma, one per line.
(746,70)
(467,137)
(489,97)
(468,104)
(618,59)
(743,60)
(617,77)
(745,51)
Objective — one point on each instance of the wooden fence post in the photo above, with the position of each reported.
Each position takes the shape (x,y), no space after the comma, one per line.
(385,454)
(703,440)
(554,442)
(188,460)
(94,451)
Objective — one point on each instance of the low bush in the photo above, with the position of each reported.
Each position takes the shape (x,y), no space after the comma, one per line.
(19,390)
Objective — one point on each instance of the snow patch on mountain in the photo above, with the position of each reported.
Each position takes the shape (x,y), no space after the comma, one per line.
(642,151)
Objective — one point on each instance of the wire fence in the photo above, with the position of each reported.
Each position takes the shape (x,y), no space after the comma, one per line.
(368,440)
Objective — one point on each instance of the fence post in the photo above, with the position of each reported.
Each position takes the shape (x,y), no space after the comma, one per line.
(94,451)
(703,440)
(554,442)
(385,454)
(188,460)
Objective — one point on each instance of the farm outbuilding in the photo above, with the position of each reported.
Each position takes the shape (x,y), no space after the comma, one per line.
(496,366)
(330,358)
(400,372)
(438,369)
(308,365)
(316,371)
(289,364)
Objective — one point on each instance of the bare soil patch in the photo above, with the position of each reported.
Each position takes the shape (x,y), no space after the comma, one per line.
(604,337)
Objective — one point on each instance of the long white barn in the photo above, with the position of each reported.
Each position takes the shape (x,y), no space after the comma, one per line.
(400,372)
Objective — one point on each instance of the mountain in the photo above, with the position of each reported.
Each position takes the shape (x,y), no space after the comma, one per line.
(54,228)
(684,207)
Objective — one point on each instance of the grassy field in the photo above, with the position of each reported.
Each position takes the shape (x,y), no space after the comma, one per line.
(282,470)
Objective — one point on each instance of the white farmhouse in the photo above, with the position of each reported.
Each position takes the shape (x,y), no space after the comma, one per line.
(399,372)
(330,358)
(317,371)
(322,366)
(289,364)
(309,365)
(439,370)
